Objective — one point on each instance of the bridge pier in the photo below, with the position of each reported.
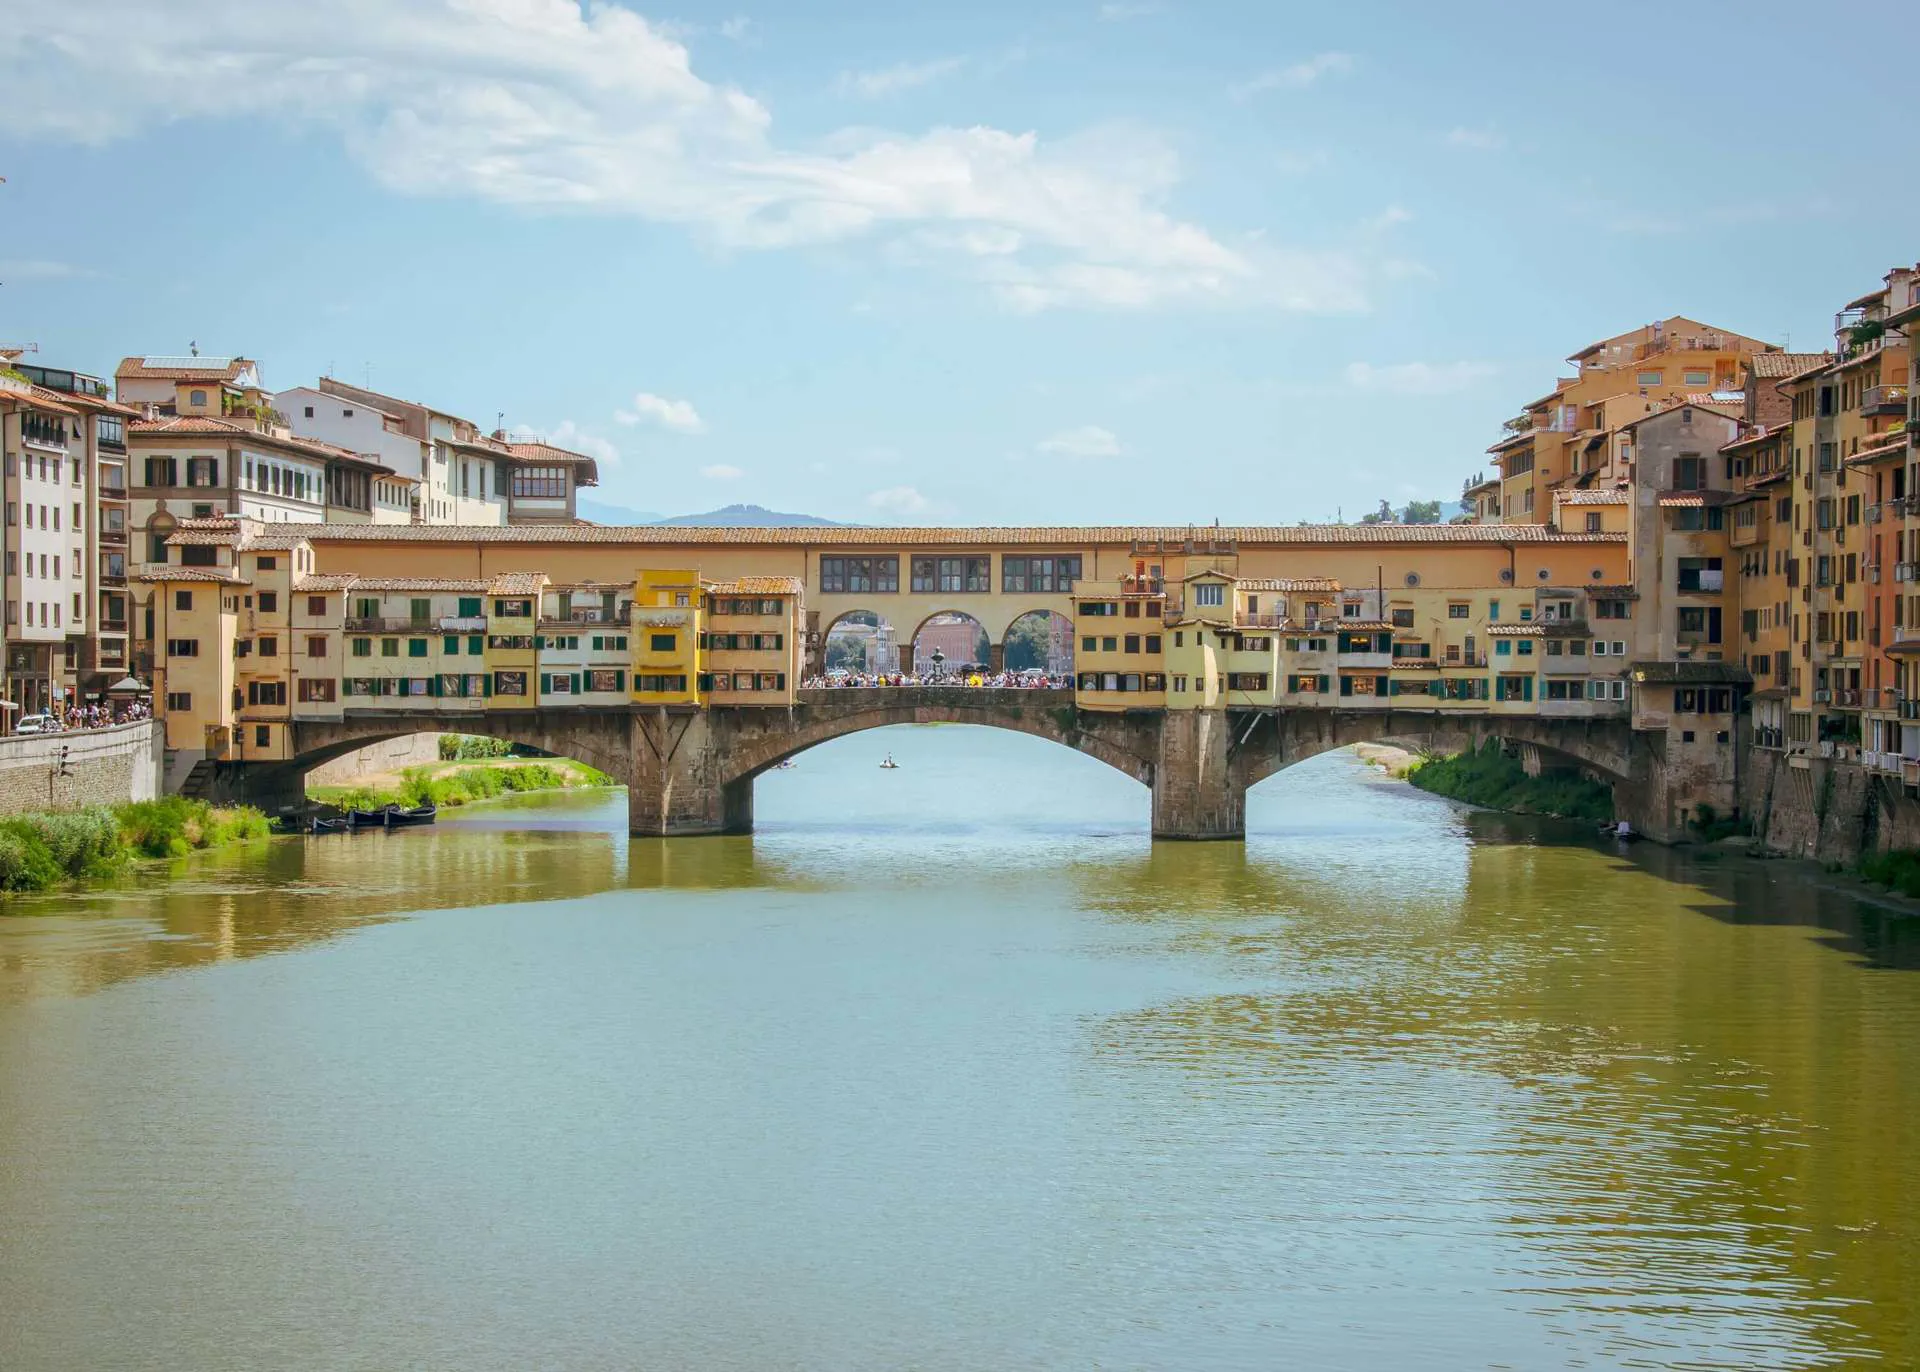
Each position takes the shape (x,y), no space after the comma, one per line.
(677,787)
(1197,794)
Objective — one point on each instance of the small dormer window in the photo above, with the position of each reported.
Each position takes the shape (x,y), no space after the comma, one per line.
(197,398)
(309,410)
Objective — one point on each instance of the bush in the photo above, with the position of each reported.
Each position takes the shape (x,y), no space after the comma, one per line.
(1898,869)
(83,842)
(469,747)
(1489,777)
(26,864)
(175,826)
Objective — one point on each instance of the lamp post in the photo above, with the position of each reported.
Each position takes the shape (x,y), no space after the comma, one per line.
(938,658)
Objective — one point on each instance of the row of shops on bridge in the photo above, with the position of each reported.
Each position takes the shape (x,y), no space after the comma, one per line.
(250,638)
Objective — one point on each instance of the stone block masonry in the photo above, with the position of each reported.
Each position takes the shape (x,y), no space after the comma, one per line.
(101,767)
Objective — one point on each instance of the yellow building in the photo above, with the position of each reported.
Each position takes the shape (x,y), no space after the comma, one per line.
(668,660)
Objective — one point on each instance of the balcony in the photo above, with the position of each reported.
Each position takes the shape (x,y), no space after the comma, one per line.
(1382,661)
(379,625)
(1906,571)
(114,538)
(461,624)
(1884,399)
(1707,581)
(1873,514)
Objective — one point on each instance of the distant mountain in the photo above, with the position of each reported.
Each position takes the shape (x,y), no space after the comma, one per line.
(747,517)
(601,513)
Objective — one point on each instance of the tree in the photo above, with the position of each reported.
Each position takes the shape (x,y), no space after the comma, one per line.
(1421,512)
(1383,515)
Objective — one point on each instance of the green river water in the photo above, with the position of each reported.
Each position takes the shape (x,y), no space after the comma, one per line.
(950,1067)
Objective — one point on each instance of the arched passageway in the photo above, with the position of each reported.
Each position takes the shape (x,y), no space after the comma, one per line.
(860,643)
(1039,641)
(949,642)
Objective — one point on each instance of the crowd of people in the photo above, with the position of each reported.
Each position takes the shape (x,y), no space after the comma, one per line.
(1029,680)
(69,718)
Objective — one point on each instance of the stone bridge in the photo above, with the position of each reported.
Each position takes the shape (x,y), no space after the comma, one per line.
(691,771)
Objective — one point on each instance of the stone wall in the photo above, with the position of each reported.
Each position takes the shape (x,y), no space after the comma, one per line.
(388,755)
(1825,809)
(105,766)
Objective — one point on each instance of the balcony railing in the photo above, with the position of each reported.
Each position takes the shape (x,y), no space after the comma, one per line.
(1884,399)
(376,624)
(1704,582)
(116,537)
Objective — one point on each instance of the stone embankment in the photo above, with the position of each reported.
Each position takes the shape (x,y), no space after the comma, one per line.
(68,771)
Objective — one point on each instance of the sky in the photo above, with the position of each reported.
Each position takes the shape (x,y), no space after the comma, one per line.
(1106,261)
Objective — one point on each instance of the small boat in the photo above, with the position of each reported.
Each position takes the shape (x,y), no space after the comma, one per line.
(322,825)
(398,818)
(889,765)
(366,819)
(783,766)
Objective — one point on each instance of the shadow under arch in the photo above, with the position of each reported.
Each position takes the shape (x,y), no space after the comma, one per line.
(1600,748)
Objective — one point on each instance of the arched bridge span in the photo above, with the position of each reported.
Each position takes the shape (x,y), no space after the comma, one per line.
(691,771)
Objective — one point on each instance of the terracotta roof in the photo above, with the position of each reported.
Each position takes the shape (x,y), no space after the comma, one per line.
(214,369)
(1613,592)
(517,583)
(1686,673)
(1601,497)
(1416,664)
(226,576)
(199,424)
(1760,432)
(1769,366)
(35,397)
(1892,445)
(1517,630)
(250,534)
(758,585)
(1515,441)
(1724,411)
(1826,361)
(325,581)
(419,583)
(1062,538)
(1358,626)
(1770,479)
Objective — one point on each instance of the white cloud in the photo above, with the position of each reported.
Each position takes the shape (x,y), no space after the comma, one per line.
(736,27)
(1089,440)
(899,501)
(571,436)
(1418,378)
(1117,10)
(41,269)
(1488,139)
(678,415)
(1387,219)
(721,471)
(1298,76)
(875,85)
(558,106)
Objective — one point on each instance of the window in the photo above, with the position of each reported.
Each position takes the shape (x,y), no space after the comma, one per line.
(1689,472)
(539,483)
(269,647)
(856,574)
(1089,644)
(416,647)
(269,602)
(661,643)
(266,693)
(389,647)
(183,600)
(651,683)
(1647,378)
(1246,681)
(1153,643)
(179,700)
(163,471)
(509,683)
(601,680)
(1593,522)
(1696,376)
(1021,574)
(1210,593)
(1403,619)
(1456,610)
(263,735)
(363,647)
(513,609)
(203,471)
(316,646)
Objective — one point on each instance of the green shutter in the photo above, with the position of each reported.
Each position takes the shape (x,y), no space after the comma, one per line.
(476,644)
(470,607)
(574,681)
(1382,685)
(619,681)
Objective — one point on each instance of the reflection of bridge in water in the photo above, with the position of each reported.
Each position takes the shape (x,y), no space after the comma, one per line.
(691,770)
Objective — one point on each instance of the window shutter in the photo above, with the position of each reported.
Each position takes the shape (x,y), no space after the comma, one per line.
(1381,685)
(574,681)
(546,683)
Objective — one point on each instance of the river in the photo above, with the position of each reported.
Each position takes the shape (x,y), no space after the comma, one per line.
(949,1067)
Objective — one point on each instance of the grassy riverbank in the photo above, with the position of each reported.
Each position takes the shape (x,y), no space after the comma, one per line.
(1490,778)
(38,852)
(1898,870)
(449,785)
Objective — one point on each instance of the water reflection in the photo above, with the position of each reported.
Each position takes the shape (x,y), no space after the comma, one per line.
(955,1059)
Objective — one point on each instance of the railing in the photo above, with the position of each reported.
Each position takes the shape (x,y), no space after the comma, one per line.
(462,624)
(1873,514)
(114,536)
(1910,709)
(1702,582)
(1906,571)
(379,625)
(1849,699)
(1767,736)
(1884,399)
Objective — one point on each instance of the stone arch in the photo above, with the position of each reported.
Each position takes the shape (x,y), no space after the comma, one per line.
(843,619)
(1603,748)
(1049,715)
(909,646)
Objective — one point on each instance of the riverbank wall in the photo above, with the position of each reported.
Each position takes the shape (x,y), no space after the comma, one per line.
(389,757)
(41,772)
(1826,809)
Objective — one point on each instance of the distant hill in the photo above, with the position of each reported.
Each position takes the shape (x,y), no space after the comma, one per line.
(747,517)
(601,513)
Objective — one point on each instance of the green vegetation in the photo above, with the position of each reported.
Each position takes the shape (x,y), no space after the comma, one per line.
(1490,778)
(470,747)
(42,851)
(1898,870)
(464,785)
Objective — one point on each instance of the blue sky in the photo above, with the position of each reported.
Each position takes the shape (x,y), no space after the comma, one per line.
(995,263)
